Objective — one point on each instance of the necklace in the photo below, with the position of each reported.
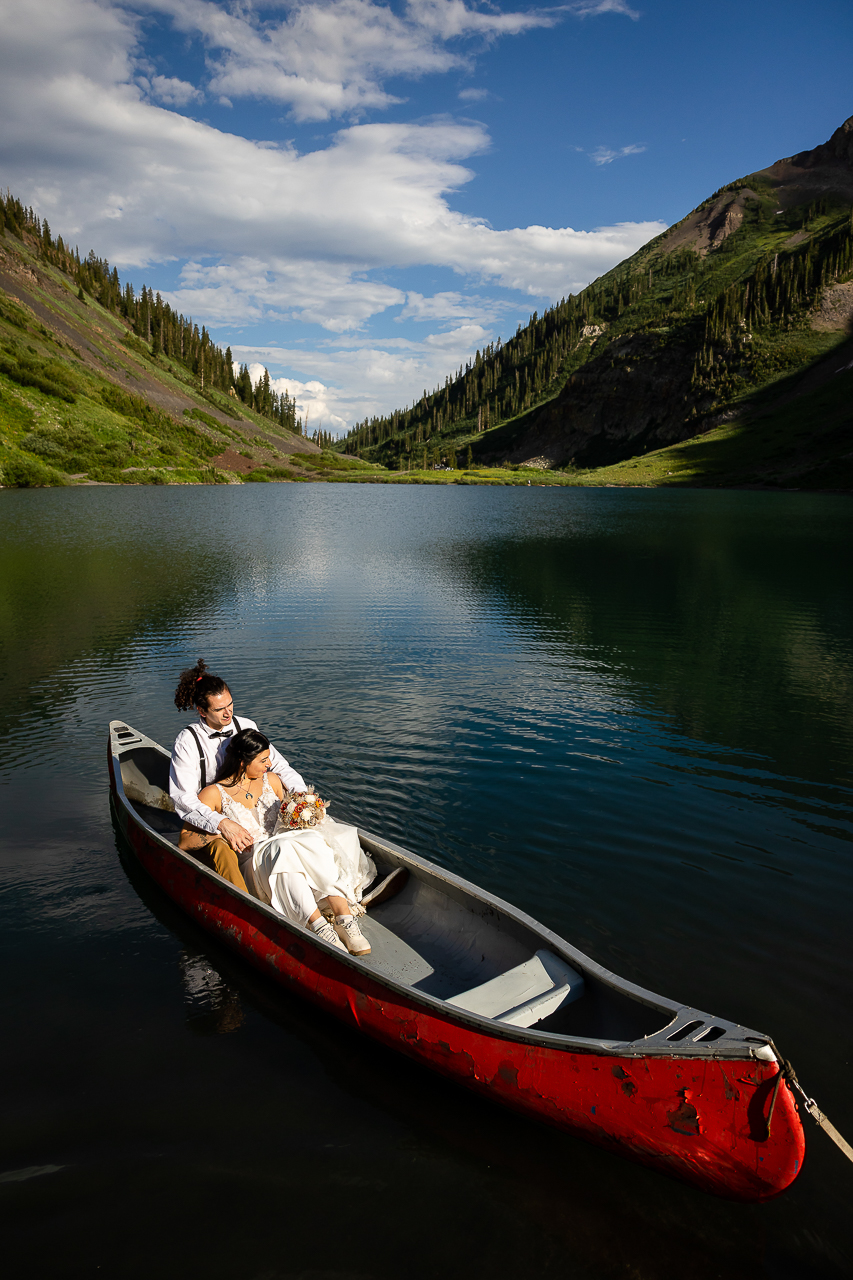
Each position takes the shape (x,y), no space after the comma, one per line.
(247,794)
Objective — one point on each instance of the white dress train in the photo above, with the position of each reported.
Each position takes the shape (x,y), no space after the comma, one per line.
(291,871)
(327,857)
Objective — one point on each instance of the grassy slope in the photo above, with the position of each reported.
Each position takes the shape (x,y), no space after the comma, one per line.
(82,400)
(802,444)
(788,441)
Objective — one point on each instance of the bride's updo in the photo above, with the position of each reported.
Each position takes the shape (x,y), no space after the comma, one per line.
(197,685)
(241,750)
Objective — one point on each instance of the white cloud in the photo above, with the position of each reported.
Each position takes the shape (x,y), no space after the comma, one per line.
(473,95)
(263,231)
(463,339)
(606,155)
(593,8)
(314,403)
(245,289)
(450,306)
(330,59)
(351,380)
(174,92)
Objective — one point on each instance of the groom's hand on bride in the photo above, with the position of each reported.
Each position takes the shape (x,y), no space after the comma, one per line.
(237,836)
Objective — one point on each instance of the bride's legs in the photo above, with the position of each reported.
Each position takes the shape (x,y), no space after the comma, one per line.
(339,905)
(294,899)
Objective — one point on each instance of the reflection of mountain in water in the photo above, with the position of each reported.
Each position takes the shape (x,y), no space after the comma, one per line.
(82,584)
(734,624)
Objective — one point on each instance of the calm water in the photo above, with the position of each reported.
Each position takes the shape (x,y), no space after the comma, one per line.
(627,712)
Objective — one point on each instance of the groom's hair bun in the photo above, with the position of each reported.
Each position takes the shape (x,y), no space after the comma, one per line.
(196,686)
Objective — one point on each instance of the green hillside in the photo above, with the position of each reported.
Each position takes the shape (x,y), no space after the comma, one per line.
(100,385)
(750,292)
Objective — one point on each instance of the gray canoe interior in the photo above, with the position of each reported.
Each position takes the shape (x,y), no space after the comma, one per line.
(438,939)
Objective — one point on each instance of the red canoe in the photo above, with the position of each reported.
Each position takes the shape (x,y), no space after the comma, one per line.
(468,985)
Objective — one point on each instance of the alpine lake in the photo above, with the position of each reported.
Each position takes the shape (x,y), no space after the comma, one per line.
(629,712)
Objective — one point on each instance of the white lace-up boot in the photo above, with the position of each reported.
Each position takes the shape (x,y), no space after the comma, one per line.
(324,930)
(346,927)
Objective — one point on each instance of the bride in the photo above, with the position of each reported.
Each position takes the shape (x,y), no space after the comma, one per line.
(294,870)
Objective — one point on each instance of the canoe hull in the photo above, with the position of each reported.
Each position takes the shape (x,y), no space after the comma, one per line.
(700,1120)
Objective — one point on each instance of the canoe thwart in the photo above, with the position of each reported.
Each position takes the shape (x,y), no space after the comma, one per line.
(526,994)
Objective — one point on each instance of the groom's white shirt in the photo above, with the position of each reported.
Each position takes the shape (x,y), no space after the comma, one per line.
(185,773)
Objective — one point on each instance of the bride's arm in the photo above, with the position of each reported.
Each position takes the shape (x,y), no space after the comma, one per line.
(212,797)
(275,783)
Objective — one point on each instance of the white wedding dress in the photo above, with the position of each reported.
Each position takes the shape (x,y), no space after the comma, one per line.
(328,856)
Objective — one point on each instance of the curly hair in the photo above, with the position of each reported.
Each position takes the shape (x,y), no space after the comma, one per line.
(196,686)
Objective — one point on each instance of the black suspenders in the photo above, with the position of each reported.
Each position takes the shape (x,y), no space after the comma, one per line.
(201,752)
(201,758)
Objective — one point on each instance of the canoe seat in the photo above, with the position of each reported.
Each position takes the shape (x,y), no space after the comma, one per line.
(525,994)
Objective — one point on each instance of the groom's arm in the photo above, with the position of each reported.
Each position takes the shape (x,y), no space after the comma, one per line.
(184,786)
(291,780)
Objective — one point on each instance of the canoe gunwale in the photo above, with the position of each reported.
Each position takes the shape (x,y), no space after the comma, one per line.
(655,1045)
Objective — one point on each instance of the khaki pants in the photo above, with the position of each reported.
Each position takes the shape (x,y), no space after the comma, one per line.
(221,857)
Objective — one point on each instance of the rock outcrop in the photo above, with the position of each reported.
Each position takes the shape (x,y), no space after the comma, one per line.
(826,170)
(627,401)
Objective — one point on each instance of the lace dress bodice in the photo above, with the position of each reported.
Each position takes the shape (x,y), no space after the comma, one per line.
(259,822)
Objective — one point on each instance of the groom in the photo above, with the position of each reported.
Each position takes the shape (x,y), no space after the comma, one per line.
(196,756)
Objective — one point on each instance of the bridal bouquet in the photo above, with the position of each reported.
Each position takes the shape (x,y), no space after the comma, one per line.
(300,809)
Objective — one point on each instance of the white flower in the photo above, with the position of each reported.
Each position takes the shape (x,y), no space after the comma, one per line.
(291,807)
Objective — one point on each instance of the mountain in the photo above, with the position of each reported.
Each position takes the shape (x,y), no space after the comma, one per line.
(731,316)
(100,385)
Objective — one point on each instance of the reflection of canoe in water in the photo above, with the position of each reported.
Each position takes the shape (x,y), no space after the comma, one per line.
(468,985)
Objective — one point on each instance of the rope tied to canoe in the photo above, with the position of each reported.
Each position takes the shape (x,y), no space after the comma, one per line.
(787,1072)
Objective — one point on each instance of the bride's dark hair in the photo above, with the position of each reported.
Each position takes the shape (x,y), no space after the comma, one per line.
(196,686)
(241,750)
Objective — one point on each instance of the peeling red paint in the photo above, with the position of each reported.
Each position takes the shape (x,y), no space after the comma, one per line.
(731,1091)
(684,1118)
(509,1074)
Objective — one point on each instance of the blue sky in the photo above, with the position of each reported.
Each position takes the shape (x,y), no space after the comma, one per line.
(359,195)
